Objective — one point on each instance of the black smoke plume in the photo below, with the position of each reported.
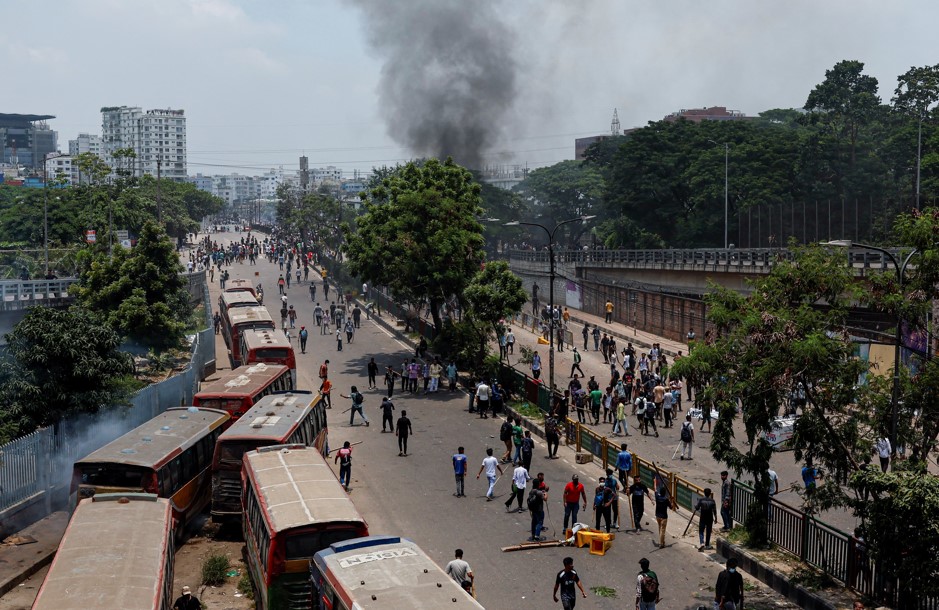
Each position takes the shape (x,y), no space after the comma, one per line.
(449,74)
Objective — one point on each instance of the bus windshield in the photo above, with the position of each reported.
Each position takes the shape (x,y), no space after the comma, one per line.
(304,545)
(115,475)
(273,353)
(230,454)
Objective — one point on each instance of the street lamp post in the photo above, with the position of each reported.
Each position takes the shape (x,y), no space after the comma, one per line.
(900,267)
(726,192)
(551,233)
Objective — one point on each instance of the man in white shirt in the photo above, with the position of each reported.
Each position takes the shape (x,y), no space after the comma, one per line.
(520,478)
(883,450)
(490,465)
(482,399)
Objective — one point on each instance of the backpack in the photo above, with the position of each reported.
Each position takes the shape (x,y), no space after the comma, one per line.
(649,586)
(685,433)
(357,398)
(598,498)
(533,500)
(505,432)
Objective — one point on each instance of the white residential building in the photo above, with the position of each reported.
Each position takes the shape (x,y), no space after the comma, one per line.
(157,136)
(86,143)
(326,175)
(59,167)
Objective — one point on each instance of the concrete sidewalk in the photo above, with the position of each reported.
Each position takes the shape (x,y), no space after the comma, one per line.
(17,563)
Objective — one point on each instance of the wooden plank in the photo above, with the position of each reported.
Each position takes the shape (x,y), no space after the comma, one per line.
(532,545)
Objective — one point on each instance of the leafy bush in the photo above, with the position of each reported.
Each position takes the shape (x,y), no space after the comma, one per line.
(214,568)
(244,585)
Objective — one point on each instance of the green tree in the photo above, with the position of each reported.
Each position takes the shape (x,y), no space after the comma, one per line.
(565,190)
(761,348)
(140,291)
(420,235)
(915,100)
(494,293)
(58,363)
(502,206)
(91,168)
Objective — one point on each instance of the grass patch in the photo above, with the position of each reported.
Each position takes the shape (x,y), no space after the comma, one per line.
(214,568)
(526,409)
(603,591)
(810,578)
(245,587)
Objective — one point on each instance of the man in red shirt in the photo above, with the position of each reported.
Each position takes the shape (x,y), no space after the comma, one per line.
(573,494)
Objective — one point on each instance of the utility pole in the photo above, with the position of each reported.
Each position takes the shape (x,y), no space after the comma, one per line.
(158,202)
(45,213)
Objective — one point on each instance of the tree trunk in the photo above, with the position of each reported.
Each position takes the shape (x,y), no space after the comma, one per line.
(435,313)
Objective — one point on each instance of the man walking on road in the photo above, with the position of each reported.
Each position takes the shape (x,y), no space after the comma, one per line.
(403,428)
(576,365)
(574,493)
(687,437)
(536,365)
(490,465)
(662,504)
(638,492)
(536,500)
(520,478)
(566,580)
(707,510)
(725,502)
(459,471)
(344,457)
(458,569)
(728,591)
(357,400)
(387,407)
(304,335)
(609,311)
(624,464)
(372,373)
(586,333)
(482,399)
(647,587)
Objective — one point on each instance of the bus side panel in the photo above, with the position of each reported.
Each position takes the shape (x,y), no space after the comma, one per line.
(192,497)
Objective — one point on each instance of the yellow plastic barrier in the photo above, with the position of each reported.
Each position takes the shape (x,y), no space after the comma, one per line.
(543,341)
(599,546)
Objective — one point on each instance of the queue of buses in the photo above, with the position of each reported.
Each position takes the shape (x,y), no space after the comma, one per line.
(251,450)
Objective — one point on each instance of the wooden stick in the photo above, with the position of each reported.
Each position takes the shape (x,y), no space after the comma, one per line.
(352,445)
(685,533)
(532,545)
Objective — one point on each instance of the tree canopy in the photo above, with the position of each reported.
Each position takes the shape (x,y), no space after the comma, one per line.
(139,291)
(419,235)
(59,362)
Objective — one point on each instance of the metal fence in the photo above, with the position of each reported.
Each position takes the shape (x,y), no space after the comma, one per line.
(41,462)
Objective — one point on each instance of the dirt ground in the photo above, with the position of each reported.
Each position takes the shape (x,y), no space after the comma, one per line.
(190,556)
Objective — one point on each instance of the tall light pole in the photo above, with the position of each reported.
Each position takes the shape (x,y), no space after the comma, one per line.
(551,233)
(45,214)
(900,267)
(919,152)
(726,192)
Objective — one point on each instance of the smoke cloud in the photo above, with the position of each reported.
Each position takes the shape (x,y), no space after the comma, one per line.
(449,75)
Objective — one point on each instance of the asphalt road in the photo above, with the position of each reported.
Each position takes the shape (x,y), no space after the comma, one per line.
(413,496)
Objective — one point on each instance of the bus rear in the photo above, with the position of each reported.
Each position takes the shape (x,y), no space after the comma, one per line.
(270,346)
(242,319)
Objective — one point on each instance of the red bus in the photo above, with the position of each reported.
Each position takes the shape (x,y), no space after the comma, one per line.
(239,390)
(239,320)
(269,346)
(293,507)
(170,455)
(117,547)
(241,286)
(292,418)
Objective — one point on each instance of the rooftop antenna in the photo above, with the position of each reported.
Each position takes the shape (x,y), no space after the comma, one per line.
(614,126)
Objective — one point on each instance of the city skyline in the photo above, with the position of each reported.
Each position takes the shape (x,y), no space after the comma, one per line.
(263,85)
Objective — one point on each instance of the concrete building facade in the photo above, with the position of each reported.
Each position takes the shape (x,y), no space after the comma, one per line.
(157,136)
(26,139)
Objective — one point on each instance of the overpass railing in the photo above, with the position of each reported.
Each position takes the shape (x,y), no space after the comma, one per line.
(754,257)
(25,291)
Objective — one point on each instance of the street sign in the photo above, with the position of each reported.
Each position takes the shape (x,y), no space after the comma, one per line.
(122,235)
(90,236)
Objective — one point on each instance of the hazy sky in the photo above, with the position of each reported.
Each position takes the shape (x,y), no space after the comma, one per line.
(263,81)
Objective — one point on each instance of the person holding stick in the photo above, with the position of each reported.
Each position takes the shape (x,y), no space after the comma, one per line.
(708,509)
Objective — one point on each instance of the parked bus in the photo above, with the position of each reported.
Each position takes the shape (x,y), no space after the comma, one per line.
(293,418)
(170,455)
(242,319)
(235,299)
(293,507)
(242,286)
(382,572)
(270,346)
(239,390)
(117,552)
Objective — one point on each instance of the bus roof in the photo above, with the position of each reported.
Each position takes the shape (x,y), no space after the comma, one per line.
(243,380)
(297,488)
(239,285)
(238,298)
(389,572)
(150,444)
(113,554)
(265,337)
(242,315)
(273,416)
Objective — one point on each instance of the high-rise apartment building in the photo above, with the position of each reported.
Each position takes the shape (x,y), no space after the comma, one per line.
(157,136)
(86,143)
